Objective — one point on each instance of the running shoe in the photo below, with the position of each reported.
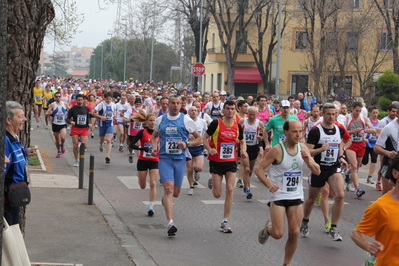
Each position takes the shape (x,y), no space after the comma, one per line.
(115,138)
(350,187)
(172,229)
(63,149)
(195,183)
(239,183)
(120,148)
(370,180)
(107,160)
(318,199)
(101,148)
(327,226)
(360,192)
(191,191)
(369,259)
(37,125)
(210,183)
(46,126)
(197,176)
(58,155)
(151,211)
(334,234)
(263,234)
(112,143)
(76,164)
(248,193)
(347,178)
(130,158)
(378,186)
(92,135)
(304,230)
(225,228)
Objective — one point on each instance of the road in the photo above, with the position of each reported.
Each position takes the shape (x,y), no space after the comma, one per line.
(198,240)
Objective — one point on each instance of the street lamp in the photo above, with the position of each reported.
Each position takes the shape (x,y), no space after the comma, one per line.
(280,11)
(200,47)
(102,60)
(110,33)
(124,61)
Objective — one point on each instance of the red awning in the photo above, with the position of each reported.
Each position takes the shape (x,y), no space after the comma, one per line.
(247,75)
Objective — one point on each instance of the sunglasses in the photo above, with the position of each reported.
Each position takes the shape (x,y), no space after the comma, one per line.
(57,96)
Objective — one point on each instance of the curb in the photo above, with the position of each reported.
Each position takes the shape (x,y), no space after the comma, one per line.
(39,156)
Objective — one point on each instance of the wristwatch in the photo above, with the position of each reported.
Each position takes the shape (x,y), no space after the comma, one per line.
(187,144)
(344,149)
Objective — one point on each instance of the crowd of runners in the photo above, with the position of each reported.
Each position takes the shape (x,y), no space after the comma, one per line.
(175,130)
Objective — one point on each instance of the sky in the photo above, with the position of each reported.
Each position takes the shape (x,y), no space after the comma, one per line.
(94,28)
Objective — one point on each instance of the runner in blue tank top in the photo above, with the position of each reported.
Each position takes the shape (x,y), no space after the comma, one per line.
(173,130)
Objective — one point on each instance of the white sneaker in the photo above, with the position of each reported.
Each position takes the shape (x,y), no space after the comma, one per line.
(225,228)
(76,164)
(350,187)
(191,191)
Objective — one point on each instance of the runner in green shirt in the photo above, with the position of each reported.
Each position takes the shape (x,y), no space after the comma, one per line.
(276,122)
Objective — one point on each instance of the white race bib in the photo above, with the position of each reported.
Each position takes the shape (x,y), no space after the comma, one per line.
(172,147)
(291,181)
(59,118)
(227,151)
(108,115)
(281,138)
(250,137)
(81,119)
(147,154)
(331,154)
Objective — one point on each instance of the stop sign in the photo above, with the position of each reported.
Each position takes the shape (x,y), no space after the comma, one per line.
(198,69)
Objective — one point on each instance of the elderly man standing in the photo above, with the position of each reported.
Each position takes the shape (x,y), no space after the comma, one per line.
(16,170)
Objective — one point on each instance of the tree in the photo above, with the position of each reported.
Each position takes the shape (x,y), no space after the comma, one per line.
(266,21)
(389,11)
(57,66)
(389,84)
(315,18)
(232,18)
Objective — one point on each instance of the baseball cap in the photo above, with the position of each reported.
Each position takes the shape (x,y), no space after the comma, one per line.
(223,93)
(285,103)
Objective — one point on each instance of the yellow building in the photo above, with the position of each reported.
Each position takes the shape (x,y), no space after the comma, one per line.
(355,48)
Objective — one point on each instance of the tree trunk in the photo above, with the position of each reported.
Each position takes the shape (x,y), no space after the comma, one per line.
(26,25)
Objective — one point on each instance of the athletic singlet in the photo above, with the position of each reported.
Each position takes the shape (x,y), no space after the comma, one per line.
(160,112)
(37,94)
(215,112)
(288,175)
(301,116)
(65,98)
(372,138)
(352,124)
(134,127)
(145,141)
(224,141)
(170,133)
(329,157)
(48,96)
(119,108)
(263,116)
(251,132)
(106,110)
(59,114)
(311,124)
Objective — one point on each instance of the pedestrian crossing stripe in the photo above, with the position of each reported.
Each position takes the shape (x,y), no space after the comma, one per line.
(329,201)
(213,202)
(132,182)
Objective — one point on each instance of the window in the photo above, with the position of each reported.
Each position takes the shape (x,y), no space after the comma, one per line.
(301,40)
(245,5)
(388,4)
(211,82)
(299,83)
(352,41)
(303,5)
(356,4)
(219,82)
(385,42)
(243,47)
(213,40)
(335,84)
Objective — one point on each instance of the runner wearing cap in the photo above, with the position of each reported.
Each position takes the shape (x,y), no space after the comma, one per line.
(276,122)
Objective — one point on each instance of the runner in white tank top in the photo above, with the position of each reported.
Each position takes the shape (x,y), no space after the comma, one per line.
(285,185)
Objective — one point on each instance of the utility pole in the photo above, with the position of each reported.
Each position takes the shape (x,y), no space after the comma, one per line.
(152,43)
(200,46)
(102,60)
(280,11)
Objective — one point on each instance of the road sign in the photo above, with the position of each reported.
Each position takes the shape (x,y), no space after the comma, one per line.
(198,69)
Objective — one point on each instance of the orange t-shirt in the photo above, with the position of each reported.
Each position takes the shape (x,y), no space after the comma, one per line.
(381,220)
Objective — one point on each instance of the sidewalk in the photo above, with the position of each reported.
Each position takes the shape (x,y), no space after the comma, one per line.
(61,228)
